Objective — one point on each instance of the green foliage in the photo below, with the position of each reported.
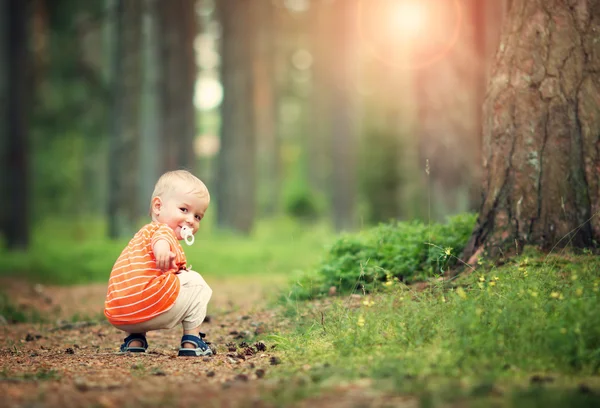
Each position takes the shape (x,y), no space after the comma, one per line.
(399,251)
(463,338)
(302,203)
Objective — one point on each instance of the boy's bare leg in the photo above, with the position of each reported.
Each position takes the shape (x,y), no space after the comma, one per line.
(193,332)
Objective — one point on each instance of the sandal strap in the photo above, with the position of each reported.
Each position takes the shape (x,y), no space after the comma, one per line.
(195,340)
(136,336)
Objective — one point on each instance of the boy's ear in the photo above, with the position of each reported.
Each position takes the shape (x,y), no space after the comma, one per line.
(156,205)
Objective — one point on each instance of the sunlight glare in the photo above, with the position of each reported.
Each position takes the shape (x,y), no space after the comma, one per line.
(408,17)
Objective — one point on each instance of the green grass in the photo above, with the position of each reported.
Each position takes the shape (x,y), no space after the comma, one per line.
(485,333)
(72,253)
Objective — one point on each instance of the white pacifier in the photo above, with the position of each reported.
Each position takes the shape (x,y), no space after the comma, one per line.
(187,235)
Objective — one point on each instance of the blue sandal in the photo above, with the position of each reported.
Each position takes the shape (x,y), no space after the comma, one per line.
(125,347)
(202,349)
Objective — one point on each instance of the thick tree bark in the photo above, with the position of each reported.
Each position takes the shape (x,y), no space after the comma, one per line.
(14,105)
(178,29)
(542,131)
(236,184)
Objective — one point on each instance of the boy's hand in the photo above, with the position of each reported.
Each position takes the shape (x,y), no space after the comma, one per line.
(165,259)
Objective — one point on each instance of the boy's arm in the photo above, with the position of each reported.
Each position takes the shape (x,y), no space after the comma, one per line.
(165,258)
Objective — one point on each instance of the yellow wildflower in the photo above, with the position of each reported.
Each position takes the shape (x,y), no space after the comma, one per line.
(496,278)
(368,302)
(481,278)
(361,321)
(389,283)
(579,292)
(492,283)
(448,251)
(574,277)
(554,295)
(461,293)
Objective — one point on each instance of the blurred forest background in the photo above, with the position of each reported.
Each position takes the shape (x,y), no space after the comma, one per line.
(344,112)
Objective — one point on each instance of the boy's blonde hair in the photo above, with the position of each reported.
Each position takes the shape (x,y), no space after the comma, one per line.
(179,181)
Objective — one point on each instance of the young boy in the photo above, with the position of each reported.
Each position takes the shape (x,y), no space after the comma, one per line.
(150,287)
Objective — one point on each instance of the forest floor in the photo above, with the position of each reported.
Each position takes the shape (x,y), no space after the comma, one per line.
(73,359)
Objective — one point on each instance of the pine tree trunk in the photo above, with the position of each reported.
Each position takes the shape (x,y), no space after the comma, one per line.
(268,147)
(4,128)
(319,132)
(343,120)
(125,137)
(14,108)
(150,163)
(542,131)
(236,183)
(178,29)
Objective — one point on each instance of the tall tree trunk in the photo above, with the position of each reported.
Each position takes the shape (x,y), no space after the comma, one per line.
(265,107)
(150,164)
(236,183)
(178,29)
(542,131)
(343,110)
(319,131)
(4,115)
(14,105)
(124,146)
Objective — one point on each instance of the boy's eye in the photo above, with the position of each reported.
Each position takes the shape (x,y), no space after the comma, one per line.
(183,209)
(198,217)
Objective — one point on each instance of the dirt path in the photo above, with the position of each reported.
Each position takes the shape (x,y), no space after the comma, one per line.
(74,361)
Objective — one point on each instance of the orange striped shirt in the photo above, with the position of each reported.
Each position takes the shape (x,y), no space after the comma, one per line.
(137,289)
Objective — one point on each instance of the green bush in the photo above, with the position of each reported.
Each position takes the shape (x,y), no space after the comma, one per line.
(399,251)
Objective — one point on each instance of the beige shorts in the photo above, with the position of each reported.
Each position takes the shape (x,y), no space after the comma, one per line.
(189,308)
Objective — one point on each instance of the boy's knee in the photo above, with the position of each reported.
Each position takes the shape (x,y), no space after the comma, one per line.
(197,280)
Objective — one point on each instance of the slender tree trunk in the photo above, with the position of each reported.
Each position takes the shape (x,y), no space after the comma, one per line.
(236,183)
(343,113)
(150,165)
(542,131)
(319,132)
(124,146)
(178,29)
(265,106)
(14,105)
(4,127)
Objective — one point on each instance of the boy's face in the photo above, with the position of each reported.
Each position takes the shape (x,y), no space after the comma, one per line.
(178,210)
